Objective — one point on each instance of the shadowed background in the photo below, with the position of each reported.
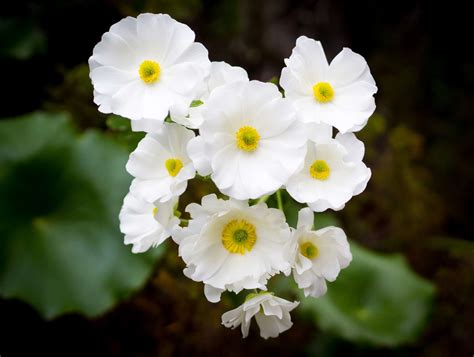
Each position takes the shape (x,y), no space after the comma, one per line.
(418,144)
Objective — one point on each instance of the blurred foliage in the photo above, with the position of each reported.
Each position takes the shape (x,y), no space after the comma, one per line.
(61,249)
(121,131)
(75,95)
(21,38)
(398,181)
(377,299)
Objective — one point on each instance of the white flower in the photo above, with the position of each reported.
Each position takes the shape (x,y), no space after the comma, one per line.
(160,164)
(250,140)
(146,224)
(318,132)
(272,314)
(339,94)
(333,172)
(221,73)
(146,66)
(230,245)
(321,254)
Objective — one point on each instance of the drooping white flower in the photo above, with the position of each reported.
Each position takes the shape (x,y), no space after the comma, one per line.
(250,140)
(145,67)
(229,245)
(160,164)
(339,94)
(145,224)
(320,256)
(272,314)
(221,73)
(333,172)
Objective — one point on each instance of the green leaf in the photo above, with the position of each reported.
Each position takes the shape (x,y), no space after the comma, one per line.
(60,248)
(196,103)
(121,131)
(377,300)
(118,123)
(275,80)
(326,219)
(290,208)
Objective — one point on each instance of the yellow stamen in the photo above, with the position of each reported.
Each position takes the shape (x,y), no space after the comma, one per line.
(155,211)
(239,236)
(247,138)
(323,92)
(319,170)
(149,71)
(309,250)
(173,166)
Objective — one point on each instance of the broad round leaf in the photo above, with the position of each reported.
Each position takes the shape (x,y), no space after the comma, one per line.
(377,299)
(60,246)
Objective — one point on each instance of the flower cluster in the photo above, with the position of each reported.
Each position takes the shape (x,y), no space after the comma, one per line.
(208,120)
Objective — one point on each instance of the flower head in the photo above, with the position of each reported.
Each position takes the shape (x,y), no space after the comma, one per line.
(160,164)
(221,73)
(339,94)
(145,67)
(333,172)
(230,245)
(271,313)
(145,224)
(320,255)
(250,140)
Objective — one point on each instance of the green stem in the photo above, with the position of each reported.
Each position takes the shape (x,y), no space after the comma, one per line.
(279,200)
(203,178)
(263,199)
(183,220)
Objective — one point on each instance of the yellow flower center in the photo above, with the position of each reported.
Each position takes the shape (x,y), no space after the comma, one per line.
(323,92)
(247,138)
(155,211)
(309,250)
(239,236)
(173,166)
(149,71)
(319,170)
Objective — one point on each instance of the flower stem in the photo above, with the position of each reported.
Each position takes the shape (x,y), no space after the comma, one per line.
(203,178)
(279,200)
(263,199)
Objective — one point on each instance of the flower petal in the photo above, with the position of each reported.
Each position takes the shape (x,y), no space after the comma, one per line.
(348,67)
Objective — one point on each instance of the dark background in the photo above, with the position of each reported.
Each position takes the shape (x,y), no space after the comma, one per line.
(420,151)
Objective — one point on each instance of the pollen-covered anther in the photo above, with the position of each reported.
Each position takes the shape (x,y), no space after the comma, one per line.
(247,138)
(320,170)
(323,92)
(149,71)
(309,250)
(173,166)
(239,236)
